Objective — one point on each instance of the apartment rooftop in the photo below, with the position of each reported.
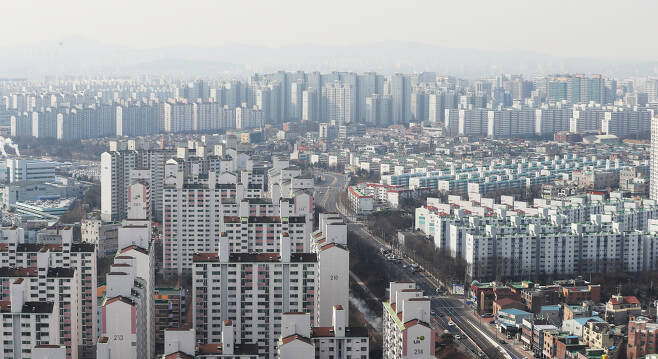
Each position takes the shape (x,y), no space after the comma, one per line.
(256,257)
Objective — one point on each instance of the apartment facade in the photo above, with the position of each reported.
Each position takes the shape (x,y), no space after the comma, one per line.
(406,323)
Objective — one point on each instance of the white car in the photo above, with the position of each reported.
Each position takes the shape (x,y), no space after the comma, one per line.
(451,323)
(458,337)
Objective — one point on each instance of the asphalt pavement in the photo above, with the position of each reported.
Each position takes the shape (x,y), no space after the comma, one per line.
(445,308)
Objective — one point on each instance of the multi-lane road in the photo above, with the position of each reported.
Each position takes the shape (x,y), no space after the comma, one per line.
(445,309)
(326,194)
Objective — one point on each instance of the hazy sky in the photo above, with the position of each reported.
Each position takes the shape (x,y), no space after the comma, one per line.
(606,29)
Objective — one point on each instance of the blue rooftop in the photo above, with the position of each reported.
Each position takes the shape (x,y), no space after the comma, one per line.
(550,307)
(582,321)
(513,311)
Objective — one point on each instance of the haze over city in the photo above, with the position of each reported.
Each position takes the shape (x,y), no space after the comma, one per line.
(203,37)
(333,180)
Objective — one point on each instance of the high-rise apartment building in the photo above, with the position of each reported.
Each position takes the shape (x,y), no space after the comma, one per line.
(301,340)
(63,256)
(338,103)
(400,99)
(378,110)
(310,105)
(27,323)
(194,214)
(296,100)
(120,168)
(48,284)
(201,204)
(178,117)
(128,312)
(247,118)
(206,116)
(406,324)
(653,180)
(254,289)
(132,120)
(651,89)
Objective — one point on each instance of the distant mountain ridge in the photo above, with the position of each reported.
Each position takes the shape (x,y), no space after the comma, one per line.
(81,56)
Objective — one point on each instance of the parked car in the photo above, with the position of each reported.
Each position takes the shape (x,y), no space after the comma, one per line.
(451,323)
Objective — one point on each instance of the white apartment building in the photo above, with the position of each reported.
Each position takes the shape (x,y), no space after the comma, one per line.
(124,329)
(246,118)
(246,288)
(178,117)
(182,344)
(194,214)
(15,253)
(26,324)
(406,323)
(360,202)
(549,120)
(331,229)
(264,207)
(128,312)
(261,233)
(548,237)
(199,207)
(546,121)
(117,169)
(329,242)
(56,285)
(653,180)
(300,340)
(103,235)
(310,105)
(205,116)
(285,181)
(338,102)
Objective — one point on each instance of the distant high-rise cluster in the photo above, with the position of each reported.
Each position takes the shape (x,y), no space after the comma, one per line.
(505,106)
